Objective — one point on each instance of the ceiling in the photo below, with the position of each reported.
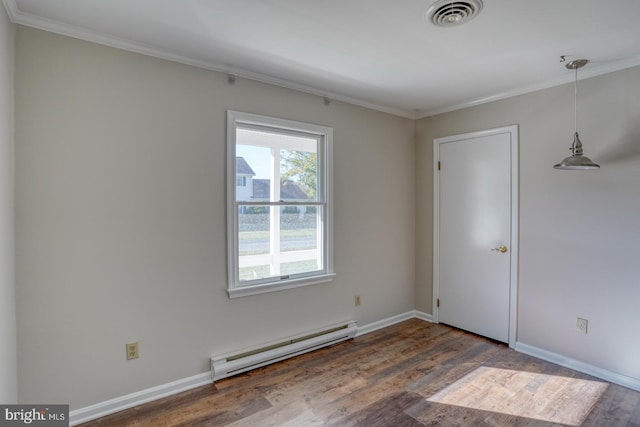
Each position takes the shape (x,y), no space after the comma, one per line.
(382,54)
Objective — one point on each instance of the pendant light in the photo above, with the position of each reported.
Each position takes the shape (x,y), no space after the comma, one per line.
(577,160)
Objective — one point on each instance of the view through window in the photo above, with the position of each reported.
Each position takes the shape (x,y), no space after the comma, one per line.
(280,210)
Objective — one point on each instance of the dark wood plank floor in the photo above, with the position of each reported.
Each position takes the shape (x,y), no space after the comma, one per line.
(411,374)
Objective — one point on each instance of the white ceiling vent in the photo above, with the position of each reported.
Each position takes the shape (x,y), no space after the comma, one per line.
(447,13)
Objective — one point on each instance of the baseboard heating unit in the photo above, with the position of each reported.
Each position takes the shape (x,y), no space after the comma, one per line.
(235,363)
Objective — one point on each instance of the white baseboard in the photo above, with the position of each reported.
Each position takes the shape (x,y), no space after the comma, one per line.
(108,407)
(579,366)
(423,316)
(370,327)
(413,314)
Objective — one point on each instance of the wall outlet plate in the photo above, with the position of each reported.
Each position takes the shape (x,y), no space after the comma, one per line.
(581,325)
(132,350)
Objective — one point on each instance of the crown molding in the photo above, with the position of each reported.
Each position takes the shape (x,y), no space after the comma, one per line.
(596,69)
(18,17)
(12,9)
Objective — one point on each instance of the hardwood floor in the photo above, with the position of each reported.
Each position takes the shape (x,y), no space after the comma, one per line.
(411,374)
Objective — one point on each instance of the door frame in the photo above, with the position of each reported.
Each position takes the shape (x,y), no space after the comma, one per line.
(512,130)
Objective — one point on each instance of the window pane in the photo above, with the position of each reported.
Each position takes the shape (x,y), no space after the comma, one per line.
(253,242)
(299,228)
(276,241)
(300,239)
(265,157)
(253,163)
(299,173)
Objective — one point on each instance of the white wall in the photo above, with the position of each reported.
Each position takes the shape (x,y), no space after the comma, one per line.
(579,230)
(120,228)
(8,380)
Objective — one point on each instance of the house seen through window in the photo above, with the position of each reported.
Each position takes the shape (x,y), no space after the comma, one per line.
(280,212)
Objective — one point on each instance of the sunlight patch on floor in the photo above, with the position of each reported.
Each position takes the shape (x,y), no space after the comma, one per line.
(550,398)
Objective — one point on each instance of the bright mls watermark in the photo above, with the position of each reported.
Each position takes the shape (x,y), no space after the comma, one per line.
(34,415)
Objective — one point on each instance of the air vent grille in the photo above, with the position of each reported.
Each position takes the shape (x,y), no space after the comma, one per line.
(447,13)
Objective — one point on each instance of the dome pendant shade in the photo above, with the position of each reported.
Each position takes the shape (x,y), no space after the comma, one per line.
(577,161)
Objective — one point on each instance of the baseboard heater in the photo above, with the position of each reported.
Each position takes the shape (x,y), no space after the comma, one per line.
(235,363)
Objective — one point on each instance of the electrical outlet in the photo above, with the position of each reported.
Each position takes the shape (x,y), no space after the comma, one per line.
(132,350)
(357,300)
(581,325)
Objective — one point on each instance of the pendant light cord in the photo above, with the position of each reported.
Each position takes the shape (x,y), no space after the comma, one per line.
(575,103)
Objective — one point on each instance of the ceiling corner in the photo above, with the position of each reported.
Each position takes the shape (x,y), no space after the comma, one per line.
(11,8)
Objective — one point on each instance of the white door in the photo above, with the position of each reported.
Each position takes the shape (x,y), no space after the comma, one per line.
(475,232)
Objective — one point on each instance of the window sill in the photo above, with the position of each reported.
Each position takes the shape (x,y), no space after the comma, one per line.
(264,288)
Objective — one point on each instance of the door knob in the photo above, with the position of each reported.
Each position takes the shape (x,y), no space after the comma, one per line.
(501,248)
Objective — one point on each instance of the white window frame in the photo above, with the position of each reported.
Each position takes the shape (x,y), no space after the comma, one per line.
(324,135)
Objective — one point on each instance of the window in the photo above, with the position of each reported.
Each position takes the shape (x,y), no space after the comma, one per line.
(280,226)
(241,181)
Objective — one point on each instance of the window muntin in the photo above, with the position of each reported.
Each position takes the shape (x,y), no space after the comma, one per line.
(280,232)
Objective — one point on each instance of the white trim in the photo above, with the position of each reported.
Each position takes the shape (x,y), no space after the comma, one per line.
(117,404)
(515,234)
(371,327)
(279,286)
(435,287)
(18,17)
(512,130)
(576,365)
(232,226)
(423,316)
(324,137)
(592,71)
(111,406)
(12,9)
(57,27)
